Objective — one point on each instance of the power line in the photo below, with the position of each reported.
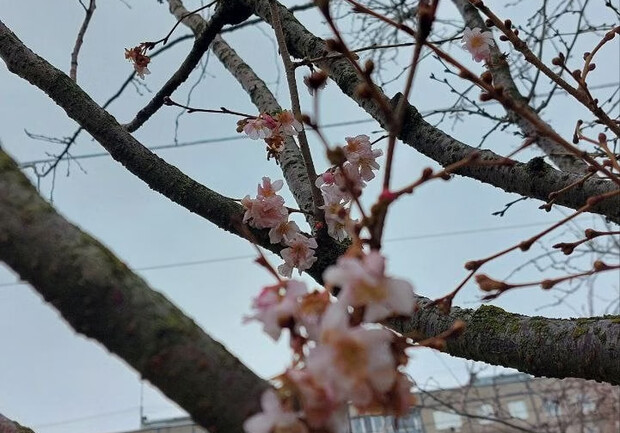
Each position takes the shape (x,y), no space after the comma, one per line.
(251,256)
(225,139)
(185,144)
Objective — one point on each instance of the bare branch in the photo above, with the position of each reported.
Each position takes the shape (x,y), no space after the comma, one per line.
(502,76)
(224,14)
(80,38)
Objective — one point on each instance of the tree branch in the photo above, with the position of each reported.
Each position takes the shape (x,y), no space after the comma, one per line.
(502,76)
(291,159)
(224,14)
(102,299)
(430,140)
(587,348)
(80,39)
(8,426)
(123,147)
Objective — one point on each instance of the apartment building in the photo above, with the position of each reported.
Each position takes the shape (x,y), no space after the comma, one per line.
(521,403)
(499,404)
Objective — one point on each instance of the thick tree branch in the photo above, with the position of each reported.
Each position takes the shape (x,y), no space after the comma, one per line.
(433,142)
(588,348)
(8,426)
(102,299)
(502,76)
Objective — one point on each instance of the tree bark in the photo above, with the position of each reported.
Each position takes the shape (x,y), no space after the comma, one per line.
(588,348)
(8,426)
(101,298)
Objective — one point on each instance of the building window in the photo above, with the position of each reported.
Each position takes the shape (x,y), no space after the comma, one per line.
(552,408)
(587,404)
(411,423)
(357,425)
(377,424)
(518,409)
(447,421)
(486,411)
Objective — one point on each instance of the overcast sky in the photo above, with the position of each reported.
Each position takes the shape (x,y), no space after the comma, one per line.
(56,381)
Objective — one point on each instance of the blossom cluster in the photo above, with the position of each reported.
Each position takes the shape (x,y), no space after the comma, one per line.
(267,210)
(340,185)
(341,355)
(478,43)
(273,128)
(137,56)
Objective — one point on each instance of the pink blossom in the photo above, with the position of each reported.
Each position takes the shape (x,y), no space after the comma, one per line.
(311,310)
(363,283)
(352,364)
(275,309)
(478,43)
(326,178)
(299,254)
(367,163)
(332,193)
(319,410)
(259,127)
(288,124)
(264,212)
(273,418)
(356,147)
(349,179)
(336,216)
(268,188)
(285,231)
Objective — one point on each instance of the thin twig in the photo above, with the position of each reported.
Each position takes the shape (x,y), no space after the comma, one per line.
(80,39)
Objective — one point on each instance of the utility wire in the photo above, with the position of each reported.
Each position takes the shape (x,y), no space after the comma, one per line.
(219,140)
(251,256)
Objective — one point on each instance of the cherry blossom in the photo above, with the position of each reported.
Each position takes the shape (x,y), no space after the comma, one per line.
(139,59)
(336,215)
(348,179)
(367,163)
(319,409)
(264,212)
(363,283)
(260,127)
(311,310)
(274,418)
(352,363)
(285,231)
(288,124)
(268,188)
(299,254)
(478,43)
(356,147)
(275,309)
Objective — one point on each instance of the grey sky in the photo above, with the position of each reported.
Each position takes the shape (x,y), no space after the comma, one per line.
(56,381)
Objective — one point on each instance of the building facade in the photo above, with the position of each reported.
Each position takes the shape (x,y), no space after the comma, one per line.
(508,404)
(499,404)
